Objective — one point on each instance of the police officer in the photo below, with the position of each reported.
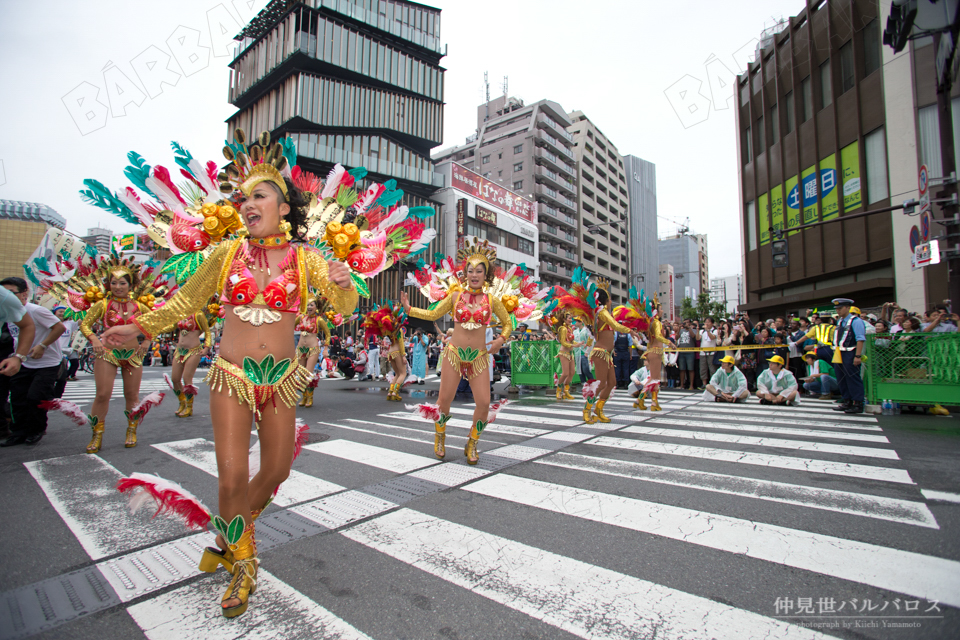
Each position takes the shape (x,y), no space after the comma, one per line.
(849,339)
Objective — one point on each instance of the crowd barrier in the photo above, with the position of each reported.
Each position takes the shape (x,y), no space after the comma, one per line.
(913,368)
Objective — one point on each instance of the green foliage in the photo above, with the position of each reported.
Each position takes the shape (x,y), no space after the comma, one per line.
(360,284)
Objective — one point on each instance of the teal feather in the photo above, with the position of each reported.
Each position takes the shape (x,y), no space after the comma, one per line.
(390,196)
(358,173)
(99,196)
(649,307)
(138,172)
(289,150)
(183,157)
(421,213)
(42,264)
(633,293)
(30,276)
(91,250)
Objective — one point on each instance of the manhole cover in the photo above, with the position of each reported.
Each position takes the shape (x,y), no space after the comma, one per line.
(314,436)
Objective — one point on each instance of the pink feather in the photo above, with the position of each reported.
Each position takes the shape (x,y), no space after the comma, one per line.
(140,411)
(170,497)
(590,389)
(651,385)
(191,389)
(212,171)
(495,409)
(166,378)
(429,412)
(301,437)
(68,409)
(163,175)
(368,198)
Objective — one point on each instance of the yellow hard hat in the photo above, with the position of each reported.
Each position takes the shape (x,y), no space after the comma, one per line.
(776,359)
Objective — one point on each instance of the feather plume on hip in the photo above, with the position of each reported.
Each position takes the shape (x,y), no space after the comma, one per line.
(170,498)
(495,409)
(68,409)
(429,412)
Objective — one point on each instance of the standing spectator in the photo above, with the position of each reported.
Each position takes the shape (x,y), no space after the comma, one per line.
(66,340)
(851,335)
(940,322)
(709,363)
(820,378)
(373,359)
(12,312)
(419,365)
(685,359)
(765,338)
(747,358)
(36,381)
(795,340)
(583,339)
(621,358)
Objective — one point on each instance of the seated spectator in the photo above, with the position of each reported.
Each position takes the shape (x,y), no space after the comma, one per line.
(776,385)
(820,379)
(728,384)
(345,365)
(637,379)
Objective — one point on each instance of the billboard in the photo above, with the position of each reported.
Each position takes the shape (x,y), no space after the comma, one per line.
(829,203)
(479,187)
(850,161)
(763,210)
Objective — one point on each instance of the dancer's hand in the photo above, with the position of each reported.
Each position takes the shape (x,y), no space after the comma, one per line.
(117,336)
(339,274)
(405,302)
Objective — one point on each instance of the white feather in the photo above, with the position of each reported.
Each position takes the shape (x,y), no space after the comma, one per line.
(332,183)
(137,207)
(425,239)
(396,217)
(200,173)
(163,192)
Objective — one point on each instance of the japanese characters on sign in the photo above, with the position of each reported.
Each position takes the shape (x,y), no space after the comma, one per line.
(485,215)
(479,187)
(461,216)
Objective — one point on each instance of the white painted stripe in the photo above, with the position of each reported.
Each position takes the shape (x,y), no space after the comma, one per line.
(493,427)
(82,489)
(760,459)
(576,597)
(785,420)
(552,409)
(367,454)
(299,487)
(940,496)
(786,431)
(745,410)
(507,414)
(276,610)
(777,443)
(424,435)
(882,567)
(859,504)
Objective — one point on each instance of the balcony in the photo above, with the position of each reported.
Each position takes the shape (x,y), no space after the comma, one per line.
(567,256)
(555,196)
(546,123)
(554,162)
(555,180)
(554,214)
(555,145)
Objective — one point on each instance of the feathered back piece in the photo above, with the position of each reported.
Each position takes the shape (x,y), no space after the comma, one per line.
(385,319)
(582,300)
(639,313)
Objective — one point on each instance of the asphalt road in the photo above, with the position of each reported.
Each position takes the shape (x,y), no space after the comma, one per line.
(703,521)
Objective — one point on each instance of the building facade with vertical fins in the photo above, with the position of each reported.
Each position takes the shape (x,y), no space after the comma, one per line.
(354,82)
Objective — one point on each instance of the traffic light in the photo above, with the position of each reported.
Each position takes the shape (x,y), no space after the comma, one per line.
(900,24)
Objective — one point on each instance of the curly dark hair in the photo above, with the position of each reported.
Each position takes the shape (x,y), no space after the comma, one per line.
(298,208)
(602,296)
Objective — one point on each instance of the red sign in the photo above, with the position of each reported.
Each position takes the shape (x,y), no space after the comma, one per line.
(486,215)
(504,199)
(922,179)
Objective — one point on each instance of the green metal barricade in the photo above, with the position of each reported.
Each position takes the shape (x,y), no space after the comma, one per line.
(534,363)
(913,368)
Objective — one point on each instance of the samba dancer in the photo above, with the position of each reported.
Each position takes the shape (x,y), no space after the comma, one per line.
(187,356)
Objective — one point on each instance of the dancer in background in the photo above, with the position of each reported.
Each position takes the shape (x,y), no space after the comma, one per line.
(564,328)
(310,346)
(187,355)
(386,321)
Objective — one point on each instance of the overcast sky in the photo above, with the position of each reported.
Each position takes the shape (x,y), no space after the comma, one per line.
(617,61)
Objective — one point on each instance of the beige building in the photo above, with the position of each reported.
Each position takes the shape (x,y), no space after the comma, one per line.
(602,202)
(22,227)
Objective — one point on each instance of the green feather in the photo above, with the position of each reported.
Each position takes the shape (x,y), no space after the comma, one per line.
(289,150)
(360,285)
(138,172)
(420,213)
(358,173)
(346,197)
(183,265)
(183,157)
(99,196)
(30,276)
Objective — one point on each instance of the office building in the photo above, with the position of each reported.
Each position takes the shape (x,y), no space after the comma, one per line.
(669,304)
(642,215)
(99,238)
(688,255)
(728,290)
(355,82)
(602,202)
(832,125)
(22,227)
(526,149)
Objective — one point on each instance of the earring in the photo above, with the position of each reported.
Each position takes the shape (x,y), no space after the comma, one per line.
(285,228)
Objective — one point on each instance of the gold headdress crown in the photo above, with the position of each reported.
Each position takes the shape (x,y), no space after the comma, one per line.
(251,166)
(477,252)
(116,266)
(602,283)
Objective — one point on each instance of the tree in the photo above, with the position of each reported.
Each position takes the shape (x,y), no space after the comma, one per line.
(704,307)
(687,310)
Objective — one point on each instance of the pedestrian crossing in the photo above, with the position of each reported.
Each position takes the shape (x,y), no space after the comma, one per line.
(789,496)
(84,390)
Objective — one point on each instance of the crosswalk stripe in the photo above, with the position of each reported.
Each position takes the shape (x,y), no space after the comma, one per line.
(507,414)
(298,487)
(763,410)
(582,599)
(740,426)
(81,490)
(551,409)
(760,459)
(860,504)
(940,496)
(776,443)
(780,420)
(425,436)
(493,427)
(882,567)
(370,455)
(277,610)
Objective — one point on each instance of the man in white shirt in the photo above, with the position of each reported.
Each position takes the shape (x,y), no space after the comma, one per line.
(708,338)
(776,385)
(728,383)
(37,378)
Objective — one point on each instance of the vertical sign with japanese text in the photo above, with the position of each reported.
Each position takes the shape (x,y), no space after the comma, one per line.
(793,204)
(850,161)
(776,207)
(829,203)
(763,211)
(808,189)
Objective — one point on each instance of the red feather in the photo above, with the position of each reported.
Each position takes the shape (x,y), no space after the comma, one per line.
(590,389)
(191,390)
(429,412)
(189,176)
(68,409)
(140,411)
(495,409)
(212,171)
(301,437)
(161,174)
(170,498)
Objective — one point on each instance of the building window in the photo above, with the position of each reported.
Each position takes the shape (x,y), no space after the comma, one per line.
(806,94)
(518,184)
(788,101)
(744,94)
(774,124)
(871,47)
(847,75)
(826,85)
(929,121)
(875,155)
(518,166)
(747,146)
(485,160)
(518,149)
(761,147)
(751,227)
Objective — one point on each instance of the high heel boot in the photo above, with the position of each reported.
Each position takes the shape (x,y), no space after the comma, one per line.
(182,398)
(639,404)
(132,424)
(566,393)
(599,411)
(473,457)
(559,393)
(655,406)
(587,409)
(244,581)
(187,410)
(307,398)
(213,557)
(97,425)
(440,437)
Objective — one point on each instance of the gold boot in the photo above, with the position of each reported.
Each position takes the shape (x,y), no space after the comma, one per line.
(587,408)
(440,437)
(471,449)
(639,402)
(182,397)
(244,581)
(655,406)
(132,425)
(213,557)
(187,410)
(303,399)
(97,426)
(566,393)
(558,393)
(599,411)
(308,397)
